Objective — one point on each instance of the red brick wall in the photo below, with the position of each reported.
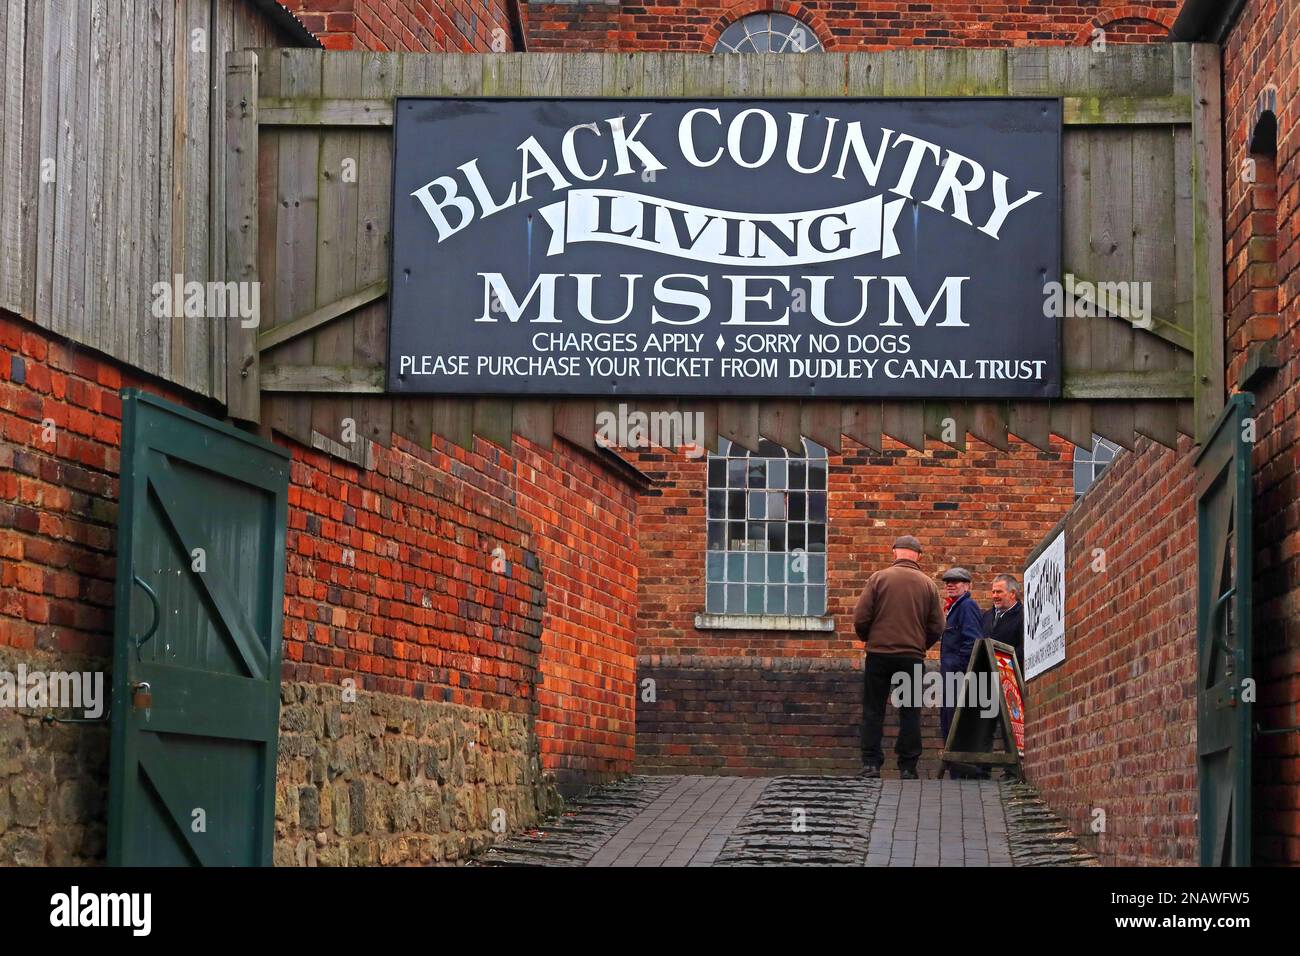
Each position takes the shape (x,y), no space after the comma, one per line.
(416,609)
(982,509)
(1262,279)
(584,533)
(739,700)
(1113,728)
(847,26)
(412,26)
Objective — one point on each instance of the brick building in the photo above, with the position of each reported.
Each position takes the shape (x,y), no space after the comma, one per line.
(479,689)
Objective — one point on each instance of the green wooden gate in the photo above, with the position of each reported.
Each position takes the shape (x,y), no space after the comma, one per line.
(1223,620)
(196,665)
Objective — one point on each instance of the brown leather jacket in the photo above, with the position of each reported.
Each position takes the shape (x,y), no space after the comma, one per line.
(899,611)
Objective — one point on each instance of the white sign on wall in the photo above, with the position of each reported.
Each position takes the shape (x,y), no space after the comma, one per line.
(1045,609)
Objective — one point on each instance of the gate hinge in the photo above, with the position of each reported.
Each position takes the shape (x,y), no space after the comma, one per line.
(1268,731)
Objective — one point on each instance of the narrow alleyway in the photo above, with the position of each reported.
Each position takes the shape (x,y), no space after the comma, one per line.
(807,821)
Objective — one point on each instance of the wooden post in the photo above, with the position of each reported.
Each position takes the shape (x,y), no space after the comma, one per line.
(1207,236)
(243,391)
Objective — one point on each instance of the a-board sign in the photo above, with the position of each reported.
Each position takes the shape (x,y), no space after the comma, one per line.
(1045,609)
(885,248)
(991,673)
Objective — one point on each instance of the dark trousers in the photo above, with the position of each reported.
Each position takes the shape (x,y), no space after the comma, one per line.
(879,673)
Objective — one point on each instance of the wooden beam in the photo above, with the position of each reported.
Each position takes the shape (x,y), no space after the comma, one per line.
(1126,110)
(1084,289)
(280,334)
(323,378)
(243,390)
(1207,237)
(1135,386)
(324,111)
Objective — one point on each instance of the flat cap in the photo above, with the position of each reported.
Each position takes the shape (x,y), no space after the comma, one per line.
(908,542)
(956,574)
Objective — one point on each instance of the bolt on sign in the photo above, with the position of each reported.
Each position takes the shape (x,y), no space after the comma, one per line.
(799,248)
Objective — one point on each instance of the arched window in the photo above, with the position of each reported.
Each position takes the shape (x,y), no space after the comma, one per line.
(1089,463)
(768,33)
(767,531)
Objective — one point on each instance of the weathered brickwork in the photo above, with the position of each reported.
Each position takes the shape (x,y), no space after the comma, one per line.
(1113,728)
(1262,281)
(846,26)
(760,715)
(447,577)
(412,26)
(982,509)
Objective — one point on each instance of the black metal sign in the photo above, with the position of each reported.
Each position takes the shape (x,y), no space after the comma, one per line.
(811,248)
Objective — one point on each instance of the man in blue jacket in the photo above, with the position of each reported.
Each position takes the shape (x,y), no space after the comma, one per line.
(963,626)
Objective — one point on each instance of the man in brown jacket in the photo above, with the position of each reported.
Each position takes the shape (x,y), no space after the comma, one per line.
(899,615)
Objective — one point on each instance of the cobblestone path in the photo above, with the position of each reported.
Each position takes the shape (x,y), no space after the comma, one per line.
(798,821)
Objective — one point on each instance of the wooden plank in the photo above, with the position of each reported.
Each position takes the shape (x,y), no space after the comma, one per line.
(738,420)
(779,420)
(413,419)
(296,227)
(707,75)
(94,318)
(113,326)
(1115,420)
(322,316)
(380,75)
(1073,422)
(336,261)
(1125,383)
(704,422)
(575,421)
(583,74)
(268,221)
(1031,422)
(861,421)
(315,111)
(905,422)
(543,73)
(453,420)
(1207,229)
(64,109)
(12,125)
(191,341)
(152,174)
(988,423)
(822,421)
(947,422)
(35,68)
(243,399)
(492,420)
(1125,110)
(534,420)
(322,378)
(664,74)
(1158,421)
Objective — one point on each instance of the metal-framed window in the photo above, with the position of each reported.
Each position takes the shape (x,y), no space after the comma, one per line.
(768,33)
(1089,463)
(766,531)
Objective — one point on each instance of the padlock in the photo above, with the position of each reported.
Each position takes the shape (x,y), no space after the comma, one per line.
(141,696)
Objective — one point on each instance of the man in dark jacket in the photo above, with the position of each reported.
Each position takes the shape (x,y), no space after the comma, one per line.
(963,627)
(899,615)
(1005,620)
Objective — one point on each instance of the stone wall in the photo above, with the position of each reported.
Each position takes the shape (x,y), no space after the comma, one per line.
(387,780)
